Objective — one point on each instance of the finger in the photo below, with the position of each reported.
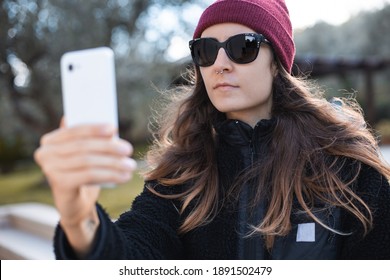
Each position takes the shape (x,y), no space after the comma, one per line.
(78,132)
(115,147)
(72,157)
(49,153)
(80,162)
(94,176)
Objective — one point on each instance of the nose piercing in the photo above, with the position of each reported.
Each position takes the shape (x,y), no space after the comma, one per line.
(219,72)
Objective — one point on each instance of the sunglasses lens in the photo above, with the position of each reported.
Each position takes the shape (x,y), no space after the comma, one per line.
(205,51)
(243,48)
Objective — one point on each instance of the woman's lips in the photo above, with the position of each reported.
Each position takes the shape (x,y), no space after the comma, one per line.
(224,86)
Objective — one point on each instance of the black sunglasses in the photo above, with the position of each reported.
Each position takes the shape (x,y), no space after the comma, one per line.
(241,48)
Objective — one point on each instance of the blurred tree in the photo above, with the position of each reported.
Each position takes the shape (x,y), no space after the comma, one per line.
(363,36)
(35,33)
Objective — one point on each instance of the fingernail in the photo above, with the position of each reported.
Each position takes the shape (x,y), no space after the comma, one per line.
(124,149)
(125,176)
(129,164)
(107,129)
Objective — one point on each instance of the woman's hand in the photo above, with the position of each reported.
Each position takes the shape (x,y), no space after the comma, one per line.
(76,161)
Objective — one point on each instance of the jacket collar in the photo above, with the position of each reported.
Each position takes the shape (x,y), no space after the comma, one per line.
(236,132)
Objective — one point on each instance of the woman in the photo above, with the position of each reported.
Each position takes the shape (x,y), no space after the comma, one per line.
(249,162)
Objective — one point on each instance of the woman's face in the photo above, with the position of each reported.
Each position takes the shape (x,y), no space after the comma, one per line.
(242,91)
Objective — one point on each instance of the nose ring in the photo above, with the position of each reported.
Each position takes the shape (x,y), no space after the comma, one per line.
(219,72)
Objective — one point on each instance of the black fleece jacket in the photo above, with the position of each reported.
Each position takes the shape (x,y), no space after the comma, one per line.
(150,229)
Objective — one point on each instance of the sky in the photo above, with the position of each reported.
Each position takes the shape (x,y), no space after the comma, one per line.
(305,13)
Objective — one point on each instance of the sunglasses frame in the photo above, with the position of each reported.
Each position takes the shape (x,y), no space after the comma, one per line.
(259,39)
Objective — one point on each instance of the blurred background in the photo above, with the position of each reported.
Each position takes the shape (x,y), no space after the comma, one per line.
(343,45)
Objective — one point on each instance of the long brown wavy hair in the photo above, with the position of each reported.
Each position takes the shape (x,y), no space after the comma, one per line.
(313,140)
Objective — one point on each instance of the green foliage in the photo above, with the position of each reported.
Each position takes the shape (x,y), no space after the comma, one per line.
(10,153)
(363,36)
(33,36)
(24,186)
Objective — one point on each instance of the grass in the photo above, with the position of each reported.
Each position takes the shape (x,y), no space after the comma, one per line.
(29,185)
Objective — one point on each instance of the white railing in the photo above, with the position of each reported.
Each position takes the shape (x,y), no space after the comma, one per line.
(26,231)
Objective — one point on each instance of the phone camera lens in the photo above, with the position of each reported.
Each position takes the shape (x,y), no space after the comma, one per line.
(70,67)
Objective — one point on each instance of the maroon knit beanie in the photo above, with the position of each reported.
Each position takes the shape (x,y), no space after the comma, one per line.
(268,17)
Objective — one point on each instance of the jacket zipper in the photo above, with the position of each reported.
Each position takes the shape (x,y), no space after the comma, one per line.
(252,145)
(250,142)
(251,249)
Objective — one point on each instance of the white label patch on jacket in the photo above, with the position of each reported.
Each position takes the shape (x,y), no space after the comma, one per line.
(306,232)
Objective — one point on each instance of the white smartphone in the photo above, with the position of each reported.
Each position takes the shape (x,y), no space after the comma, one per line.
(89,87)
